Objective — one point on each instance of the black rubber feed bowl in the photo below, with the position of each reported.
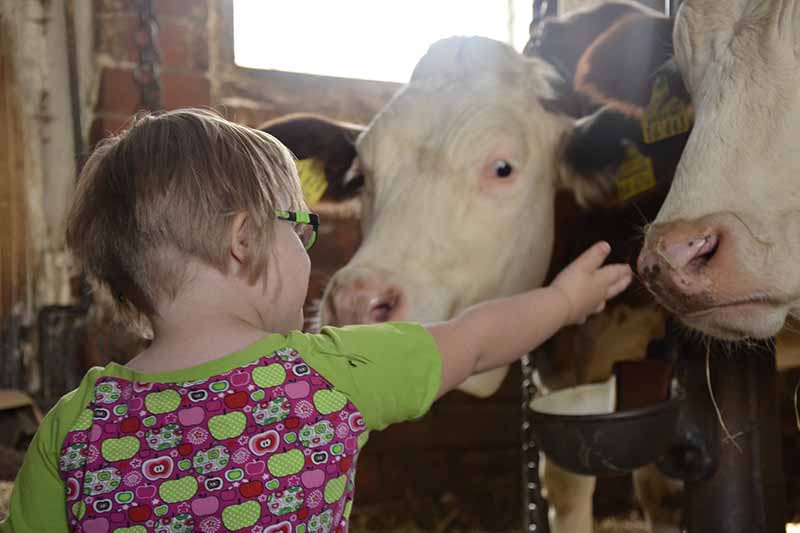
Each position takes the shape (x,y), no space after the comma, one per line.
(606,444)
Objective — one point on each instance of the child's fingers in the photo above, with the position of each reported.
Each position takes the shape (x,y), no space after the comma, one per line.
(593,258)
(617,288)
(621,283)
(610,274)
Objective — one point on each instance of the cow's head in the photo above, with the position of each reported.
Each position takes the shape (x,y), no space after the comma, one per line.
(724,249)
(460,175)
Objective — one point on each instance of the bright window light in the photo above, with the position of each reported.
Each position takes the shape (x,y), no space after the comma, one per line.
(365,39)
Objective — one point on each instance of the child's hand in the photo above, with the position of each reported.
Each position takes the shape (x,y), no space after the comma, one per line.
(587,284)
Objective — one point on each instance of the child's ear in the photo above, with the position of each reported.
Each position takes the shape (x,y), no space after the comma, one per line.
(238,236)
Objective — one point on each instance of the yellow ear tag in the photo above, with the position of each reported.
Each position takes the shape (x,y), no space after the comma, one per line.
(312,179)
(665,116)
(635,174)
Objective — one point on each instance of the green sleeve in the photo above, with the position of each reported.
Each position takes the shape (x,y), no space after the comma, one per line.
(38,501)
(391,372)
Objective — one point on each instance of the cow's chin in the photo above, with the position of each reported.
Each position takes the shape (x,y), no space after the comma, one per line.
(753,320)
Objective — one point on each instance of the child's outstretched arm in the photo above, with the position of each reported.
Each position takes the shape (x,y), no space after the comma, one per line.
(498,332)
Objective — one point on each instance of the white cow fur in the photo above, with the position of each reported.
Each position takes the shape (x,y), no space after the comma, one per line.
(741,167)
(439,225)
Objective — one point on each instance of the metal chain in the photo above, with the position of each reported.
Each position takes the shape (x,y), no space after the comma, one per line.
(535,511)
(147,71)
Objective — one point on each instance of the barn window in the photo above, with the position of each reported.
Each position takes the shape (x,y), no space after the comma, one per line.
(364,39)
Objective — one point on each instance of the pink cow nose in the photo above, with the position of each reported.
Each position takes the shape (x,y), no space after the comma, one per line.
(363,300)
(675,254)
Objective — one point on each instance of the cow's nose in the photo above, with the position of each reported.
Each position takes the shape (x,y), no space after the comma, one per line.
(677,253)
(363,300)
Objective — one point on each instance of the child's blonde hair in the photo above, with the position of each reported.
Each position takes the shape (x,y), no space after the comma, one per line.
(168,187)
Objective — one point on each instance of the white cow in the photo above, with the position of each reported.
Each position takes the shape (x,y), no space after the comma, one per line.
(460,179)
(723,252)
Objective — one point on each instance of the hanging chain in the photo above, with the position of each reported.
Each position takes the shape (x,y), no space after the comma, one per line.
(147,73)
(535,511)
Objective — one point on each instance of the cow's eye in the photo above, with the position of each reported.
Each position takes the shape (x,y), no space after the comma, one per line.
(502,168)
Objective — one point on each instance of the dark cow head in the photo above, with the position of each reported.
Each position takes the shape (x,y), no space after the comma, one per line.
(563,41)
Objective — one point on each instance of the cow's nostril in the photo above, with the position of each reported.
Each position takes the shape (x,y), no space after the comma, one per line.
(363,300)
(650,273)
(705,248)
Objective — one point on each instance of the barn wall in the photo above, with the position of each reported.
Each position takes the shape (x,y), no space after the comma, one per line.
(14,243)
(37,167)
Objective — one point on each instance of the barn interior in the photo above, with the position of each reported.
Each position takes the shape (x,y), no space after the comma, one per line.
(73,72)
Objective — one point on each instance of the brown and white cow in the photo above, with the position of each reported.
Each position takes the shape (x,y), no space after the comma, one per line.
(459,179)
(724,249)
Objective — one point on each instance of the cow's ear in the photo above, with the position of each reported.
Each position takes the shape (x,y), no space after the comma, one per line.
(618,68)
(592,153)
(325,150)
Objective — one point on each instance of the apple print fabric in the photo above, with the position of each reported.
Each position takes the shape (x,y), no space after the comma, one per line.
(269,447)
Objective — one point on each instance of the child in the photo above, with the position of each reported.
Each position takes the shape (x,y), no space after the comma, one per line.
(232,419)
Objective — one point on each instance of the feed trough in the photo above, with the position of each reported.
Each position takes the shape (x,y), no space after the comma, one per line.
(579,429)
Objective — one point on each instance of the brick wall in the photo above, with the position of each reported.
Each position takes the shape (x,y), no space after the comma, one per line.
(184,57)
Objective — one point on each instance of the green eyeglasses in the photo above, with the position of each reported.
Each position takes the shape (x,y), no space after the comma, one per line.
(305,224)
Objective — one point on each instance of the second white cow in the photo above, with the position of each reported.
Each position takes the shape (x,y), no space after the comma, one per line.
(723,252)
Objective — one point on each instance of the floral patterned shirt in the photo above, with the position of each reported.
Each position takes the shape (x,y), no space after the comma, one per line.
(264,440)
